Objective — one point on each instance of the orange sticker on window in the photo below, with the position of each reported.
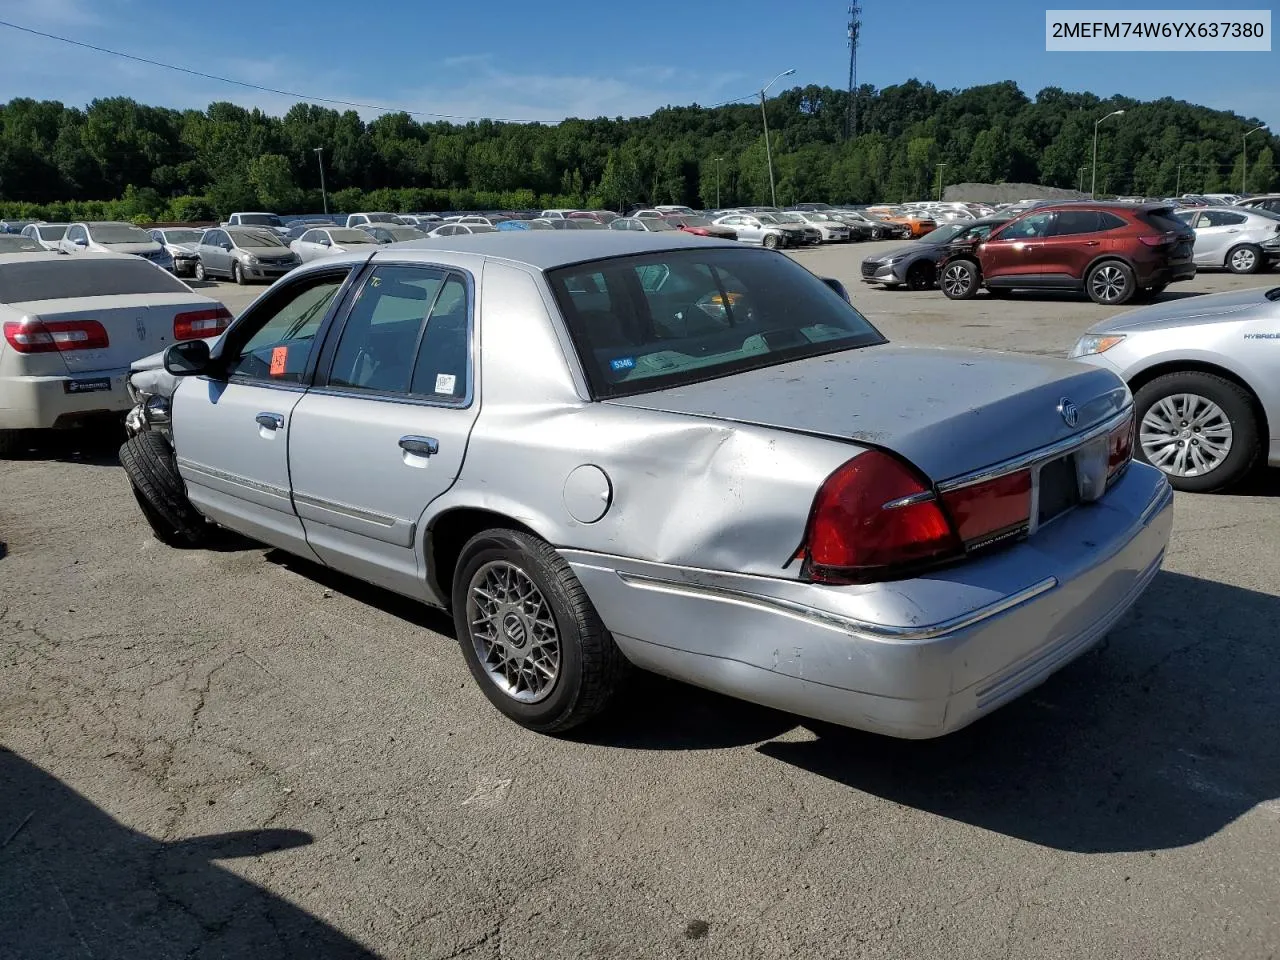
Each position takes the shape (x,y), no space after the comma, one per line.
(278,357)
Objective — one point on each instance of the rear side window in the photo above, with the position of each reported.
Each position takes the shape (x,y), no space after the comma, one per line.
(1223,218)
(1070,222)
(83,277)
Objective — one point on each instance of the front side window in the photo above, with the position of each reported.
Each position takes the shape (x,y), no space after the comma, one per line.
(1034,226)
(282,334)
(407,333)
(647,322)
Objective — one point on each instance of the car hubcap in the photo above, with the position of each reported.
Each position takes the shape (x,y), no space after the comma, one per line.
(956,280)
(1108,284)
(1242,260)
(1186,435)
(513,632)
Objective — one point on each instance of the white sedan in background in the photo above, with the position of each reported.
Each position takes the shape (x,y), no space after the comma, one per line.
(71,326)
(328,241)
(47,235)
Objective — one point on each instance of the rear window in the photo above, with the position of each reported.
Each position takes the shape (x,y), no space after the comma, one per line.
(1163,220)
(70,277)
(658,320)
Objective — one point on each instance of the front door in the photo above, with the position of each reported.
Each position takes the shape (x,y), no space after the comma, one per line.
(1018,250)
(1216,232)
(384,431)
(231,429)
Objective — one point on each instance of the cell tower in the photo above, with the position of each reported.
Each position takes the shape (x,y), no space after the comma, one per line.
(851,111)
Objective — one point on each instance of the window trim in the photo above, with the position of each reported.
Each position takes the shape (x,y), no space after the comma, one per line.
(338,326)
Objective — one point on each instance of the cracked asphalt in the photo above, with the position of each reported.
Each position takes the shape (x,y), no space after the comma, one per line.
(231,753)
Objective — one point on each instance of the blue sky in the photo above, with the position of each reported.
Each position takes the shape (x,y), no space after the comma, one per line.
(574,58)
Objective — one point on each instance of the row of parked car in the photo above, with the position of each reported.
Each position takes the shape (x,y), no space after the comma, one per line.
(1115,252)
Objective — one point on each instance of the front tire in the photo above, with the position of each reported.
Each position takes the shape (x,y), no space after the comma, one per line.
(920,276)
(1110,283)
(149,462)
(530,634)
(1199,428)
(237,275)
(200,274)
(960,280)
(770,241)
(1245,258)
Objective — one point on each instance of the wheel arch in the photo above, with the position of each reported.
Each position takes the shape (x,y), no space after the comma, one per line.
(1140,379)
(449,531)
(1103,258)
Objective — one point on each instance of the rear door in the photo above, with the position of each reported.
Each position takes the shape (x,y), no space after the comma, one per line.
(1216,232)
(231,430)
(384,431)
(1072,244)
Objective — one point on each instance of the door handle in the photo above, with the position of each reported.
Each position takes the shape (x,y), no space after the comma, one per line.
(420,446)
(1091,243)
(271,421)
(1233,230)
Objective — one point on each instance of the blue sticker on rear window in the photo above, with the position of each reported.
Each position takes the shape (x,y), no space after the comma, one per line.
(622,363)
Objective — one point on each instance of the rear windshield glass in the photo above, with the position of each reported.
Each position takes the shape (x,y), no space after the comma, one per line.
(83,277)
(658,320)
(1163,219)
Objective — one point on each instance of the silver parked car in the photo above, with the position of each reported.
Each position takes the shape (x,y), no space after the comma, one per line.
(674,452)
(180,243)
(243,254)
(752,228)
(330,241)
(47,235)
(1205,374)
(1242,240)
(113,237)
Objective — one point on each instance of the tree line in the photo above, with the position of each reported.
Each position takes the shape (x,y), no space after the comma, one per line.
(122,159)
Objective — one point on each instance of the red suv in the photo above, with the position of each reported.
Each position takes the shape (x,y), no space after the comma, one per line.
(1114,252)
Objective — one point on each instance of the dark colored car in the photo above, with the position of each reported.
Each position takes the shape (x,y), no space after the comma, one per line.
(702,227)
(916,264)
(1114,252)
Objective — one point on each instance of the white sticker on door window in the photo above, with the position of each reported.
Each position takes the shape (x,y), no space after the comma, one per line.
(445,382)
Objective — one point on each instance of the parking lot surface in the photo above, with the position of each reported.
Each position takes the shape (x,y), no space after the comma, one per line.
(232,753)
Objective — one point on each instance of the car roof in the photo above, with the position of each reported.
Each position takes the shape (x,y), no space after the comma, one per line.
(60,257)
(547,250)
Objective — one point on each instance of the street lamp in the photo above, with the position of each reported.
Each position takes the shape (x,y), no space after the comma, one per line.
(324,196)
(768,151)
(717,160)
(1244,157)
(1093,182)
(1080,172)
(940,166)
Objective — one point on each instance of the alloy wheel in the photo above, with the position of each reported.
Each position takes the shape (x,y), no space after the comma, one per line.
(513,631)
(955,280)
(1186,435)
(1243,260)
(1108,284)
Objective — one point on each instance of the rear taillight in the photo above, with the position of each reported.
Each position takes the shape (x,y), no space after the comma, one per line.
(55,336)
(198,324)
(872,519)
(991,510)
(1120,448)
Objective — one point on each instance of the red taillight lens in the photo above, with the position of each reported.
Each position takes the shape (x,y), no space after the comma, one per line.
(992,510)
(866,526)
(198,324)
(1158,239)
(1120,448)
(54,336)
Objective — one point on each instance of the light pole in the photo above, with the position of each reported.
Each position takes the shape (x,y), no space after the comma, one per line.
(1081,173)
(1244,157)
(940,166)
(324,196)
(717,160)
(768,151)
(1093,182)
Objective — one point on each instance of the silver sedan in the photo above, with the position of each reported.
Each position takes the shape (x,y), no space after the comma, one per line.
(1242,240)
(674,453)
(1205,373)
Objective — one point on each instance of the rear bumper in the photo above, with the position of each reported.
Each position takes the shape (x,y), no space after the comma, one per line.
(916,658)
(1167,273)
(40,403)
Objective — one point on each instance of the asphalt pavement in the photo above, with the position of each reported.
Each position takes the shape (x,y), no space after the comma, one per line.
(232,753)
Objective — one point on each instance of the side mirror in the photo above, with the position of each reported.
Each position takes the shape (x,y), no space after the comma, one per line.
(838,287)
(80,242)
(187,359)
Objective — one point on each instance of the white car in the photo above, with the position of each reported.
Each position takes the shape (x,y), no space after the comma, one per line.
(327,241)
(455,228)
(47,235)
(357,219)
(833,230)
(1238,238)
(114,237)
(70,327)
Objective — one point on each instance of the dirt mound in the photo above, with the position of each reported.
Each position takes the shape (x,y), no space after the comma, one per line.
(1008,192)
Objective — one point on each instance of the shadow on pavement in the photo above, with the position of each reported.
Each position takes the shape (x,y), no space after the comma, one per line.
(76,883)
(1158,740)
(95,445)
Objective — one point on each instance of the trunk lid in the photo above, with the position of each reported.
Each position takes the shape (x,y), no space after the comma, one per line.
(136,324)
(948,411)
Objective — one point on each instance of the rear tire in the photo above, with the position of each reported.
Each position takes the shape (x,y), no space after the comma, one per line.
(1234,425)
(960,280)
(1245,258)
(149,462)
(1110,283)
(511,588)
